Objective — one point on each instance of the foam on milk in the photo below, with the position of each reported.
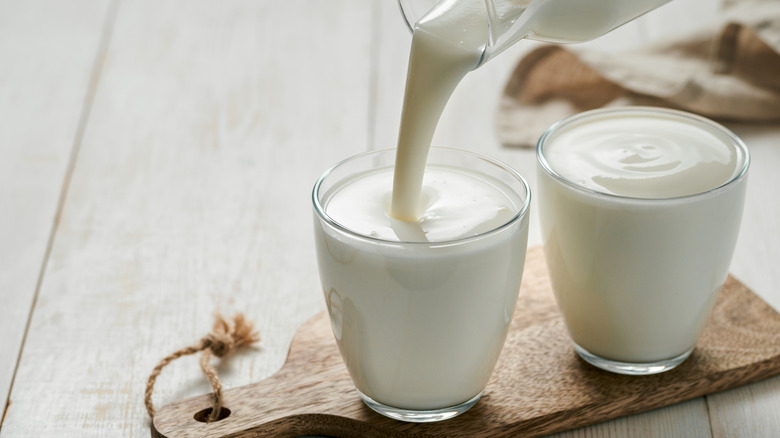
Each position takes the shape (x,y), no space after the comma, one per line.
(456,204)
(642,156)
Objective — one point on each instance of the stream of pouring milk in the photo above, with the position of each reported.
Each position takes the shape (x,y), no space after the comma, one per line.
(451,39)
(447,43)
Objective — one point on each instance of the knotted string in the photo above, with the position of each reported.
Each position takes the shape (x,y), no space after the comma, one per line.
(222,340)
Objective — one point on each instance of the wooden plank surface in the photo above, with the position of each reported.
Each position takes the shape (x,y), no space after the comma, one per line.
(210,124)
(47,53)
(208,120)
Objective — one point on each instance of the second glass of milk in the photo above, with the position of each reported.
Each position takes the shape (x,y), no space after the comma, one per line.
(640,210)
(420,310)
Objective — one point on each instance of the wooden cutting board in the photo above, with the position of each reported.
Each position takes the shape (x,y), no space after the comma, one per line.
(540,385)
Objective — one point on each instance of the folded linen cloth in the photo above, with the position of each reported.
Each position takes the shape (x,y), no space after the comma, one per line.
(727,70)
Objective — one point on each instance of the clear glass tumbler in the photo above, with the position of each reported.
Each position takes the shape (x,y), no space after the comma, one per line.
(636,277)
(420,325)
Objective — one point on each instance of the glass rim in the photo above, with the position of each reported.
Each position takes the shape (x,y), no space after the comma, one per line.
(698,120)
(323,215)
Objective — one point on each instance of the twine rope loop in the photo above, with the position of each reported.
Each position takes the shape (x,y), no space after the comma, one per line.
(223,340)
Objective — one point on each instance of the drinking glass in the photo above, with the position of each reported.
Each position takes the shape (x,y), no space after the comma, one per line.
(636,278)
(420,325)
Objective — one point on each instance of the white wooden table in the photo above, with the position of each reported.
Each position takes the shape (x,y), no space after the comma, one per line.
(156,161)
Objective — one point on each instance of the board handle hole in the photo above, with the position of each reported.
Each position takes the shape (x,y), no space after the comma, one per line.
(203,416)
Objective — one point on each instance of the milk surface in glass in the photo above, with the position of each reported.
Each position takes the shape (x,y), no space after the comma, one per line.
(640,210)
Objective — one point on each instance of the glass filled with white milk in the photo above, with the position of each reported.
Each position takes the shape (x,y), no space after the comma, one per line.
(639,211)
(420,308)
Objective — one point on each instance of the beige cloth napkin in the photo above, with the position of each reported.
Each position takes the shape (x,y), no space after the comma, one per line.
(727,70)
